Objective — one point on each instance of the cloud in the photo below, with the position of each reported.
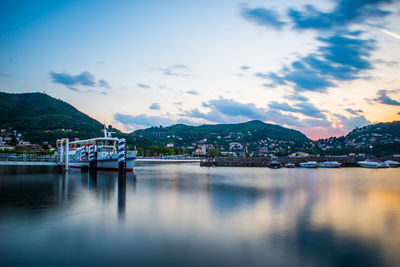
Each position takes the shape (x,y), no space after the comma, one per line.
(155,106)
(105,84)
(345,13)
(145,86)
(304,108)
(352,122)
(179,70)
(84,79)
(245,67)
(383,97)
(263,17)
(354,111)
(142,120)
(296,97)
(224,110)
(343,55)
(339,58)
(192,92)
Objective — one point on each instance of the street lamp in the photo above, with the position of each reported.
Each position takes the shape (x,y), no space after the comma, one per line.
(371,147)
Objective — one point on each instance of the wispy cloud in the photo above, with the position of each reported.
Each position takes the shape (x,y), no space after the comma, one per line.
(304,108)
(179,70)
(354,111)
(263,17)
(192,92)
(144,86)
(142,120)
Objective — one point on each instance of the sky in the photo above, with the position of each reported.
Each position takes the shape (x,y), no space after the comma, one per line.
(321,67)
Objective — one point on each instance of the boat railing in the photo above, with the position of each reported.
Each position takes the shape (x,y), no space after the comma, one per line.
(28,158)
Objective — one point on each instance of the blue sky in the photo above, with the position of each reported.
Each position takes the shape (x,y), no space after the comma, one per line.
(322,67)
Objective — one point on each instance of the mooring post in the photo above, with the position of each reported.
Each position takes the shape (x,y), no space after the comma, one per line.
(66,154)
(121,159)
(92,160)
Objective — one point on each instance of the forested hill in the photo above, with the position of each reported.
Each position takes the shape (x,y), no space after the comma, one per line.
(40,117)
(248,131)
(388,129)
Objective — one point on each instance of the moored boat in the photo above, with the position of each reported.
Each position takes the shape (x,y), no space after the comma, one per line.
(289,165)
(309,164)
(329,164)
(107,153)
(392,163)
(275,164)
(369,164)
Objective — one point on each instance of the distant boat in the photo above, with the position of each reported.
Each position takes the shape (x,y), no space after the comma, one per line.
(289,165)
(392,163)
(309,164)
(329,164)
(370,164)
(275,164)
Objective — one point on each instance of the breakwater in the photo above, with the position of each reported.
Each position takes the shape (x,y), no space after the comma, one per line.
(346,161)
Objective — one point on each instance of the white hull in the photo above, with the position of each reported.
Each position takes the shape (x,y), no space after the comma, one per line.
(108,165)
(309,164)
(329,164)
(369,164)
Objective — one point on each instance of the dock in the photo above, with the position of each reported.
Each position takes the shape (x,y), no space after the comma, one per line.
(346,161)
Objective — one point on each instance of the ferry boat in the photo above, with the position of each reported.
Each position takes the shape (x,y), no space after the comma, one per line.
(107,153)
(329,164)
(309,164)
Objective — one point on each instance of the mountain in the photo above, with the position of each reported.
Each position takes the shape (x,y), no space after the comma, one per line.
(40,117)
(248,131)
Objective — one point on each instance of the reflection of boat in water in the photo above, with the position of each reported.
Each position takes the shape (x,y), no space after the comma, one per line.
(107,153)
(392,163)
(372,164)
(309,164)
(329,164)
(289,165)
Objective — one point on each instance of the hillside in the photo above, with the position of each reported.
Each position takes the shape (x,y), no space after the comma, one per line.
(40,117)
(389,129)
(248,131)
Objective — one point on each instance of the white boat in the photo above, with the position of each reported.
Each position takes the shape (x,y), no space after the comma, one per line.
(289,165)
(107,154)
(369,164)
(329,164)
(309,164)
(392,163)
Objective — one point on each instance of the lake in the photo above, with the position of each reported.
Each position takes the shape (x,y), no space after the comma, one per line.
(186,215)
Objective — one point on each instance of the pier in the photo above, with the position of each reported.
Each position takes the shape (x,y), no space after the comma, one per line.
(346,161)
(28,160)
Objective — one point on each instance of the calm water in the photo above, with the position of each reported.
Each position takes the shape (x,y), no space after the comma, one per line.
(184,215)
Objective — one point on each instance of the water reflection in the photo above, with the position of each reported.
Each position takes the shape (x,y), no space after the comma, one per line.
(181,214)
